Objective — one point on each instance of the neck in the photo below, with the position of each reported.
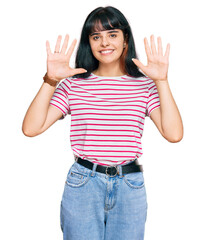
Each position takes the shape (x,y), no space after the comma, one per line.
(108,70)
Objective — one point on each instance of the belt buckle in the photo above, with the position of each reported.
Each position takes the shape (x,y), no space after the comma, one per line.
(111,167)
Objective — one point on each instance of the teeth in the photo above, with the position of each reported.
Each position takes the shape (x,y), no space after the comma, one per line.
(108,51)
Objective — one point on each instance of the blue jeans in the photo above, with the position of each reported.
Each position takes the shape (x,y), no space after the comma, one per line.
(96,206)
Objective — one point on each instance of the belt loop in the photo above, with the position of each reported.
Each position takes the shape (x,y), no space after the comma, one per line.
(136,161)
(119,170)
(94,169)
(76,158)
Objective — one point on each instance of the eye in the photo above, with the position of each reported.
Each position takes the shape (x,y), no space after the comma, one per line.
(96,38)
(113,35)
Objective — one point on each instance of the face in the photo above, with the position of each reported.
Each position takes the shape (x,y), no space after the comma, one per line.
(107,46)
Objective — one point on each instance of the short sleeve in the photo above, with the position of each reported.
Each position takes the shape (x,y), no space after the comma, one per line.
(153,98)
(60,98)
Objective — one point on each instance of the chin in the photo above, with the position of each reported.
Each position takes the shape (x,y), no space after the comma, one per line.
(108,59)
(108,62)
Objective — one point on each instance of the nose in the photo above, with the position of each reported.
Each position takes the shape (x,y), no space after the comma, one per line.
(105,42)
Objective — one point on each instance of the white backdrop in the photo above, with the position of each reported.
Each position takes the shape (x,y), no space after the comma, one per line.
(33,170)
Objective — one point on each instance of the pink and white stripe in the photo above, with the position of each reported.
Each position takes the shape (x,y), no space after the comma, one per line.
(107,115)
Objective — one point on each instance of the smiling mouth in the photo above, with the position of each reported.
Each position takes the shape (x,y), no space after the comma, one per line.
(106,52)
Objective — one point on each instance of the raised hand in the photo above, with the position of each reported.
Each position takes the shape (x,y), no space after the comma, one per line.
(58,62)
(157,63)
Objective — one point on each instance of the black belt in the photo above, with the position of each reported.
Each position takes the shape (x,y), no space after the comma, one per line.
(111,170)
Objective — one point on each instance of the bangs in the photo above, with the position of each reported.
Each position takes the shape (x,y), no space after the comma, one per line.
(103,21)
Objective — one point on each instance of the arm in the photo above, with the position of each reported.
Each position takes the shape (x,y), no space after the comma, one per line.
(167,117)
(40,115)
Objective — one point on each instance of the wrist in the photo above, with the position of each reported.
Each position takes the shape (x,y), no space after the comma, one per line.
(164,80)
(51,81)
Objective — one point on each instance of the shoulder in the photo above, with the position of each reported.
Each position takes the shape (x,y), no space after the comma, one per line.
(77,79)
(145,80)
(65,83)
(142,78)
(149,82)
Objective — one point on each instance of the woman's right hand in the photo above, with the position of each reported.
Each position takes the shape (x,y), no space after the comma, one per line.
(58,62)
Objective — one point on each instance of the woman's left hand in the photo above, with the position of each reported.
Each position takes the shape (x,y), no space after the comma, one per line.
(157,63)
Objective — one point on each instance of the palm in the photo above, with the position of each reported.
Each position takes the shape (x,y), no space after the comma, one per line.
(58,62)
(58,66)
(157,63)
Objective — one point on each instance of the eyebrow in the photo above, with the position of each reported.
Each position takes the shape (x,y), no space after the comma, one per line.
(96,33)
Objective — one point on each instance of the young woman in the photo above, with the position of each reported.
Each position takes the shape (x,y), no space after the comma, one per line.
(108,98)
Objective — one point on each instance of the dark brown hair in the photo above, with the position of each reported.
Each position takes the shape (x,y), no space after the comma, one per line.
(109,18)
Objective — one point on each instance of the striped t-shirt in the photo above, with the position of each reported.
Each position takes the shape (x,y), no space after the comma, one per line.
(107,115)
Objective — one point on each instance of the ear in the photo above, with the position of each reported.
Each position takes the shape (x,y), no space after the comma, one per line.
(125,37)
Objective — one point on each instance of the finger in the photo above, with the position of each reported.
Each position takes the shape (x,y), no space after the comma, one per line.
(70,50)
(138,64)
(167,51)
(48,49)
(160,50)
(153,47)
(58,43)
(147,48)
(78,71)
(65,44)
